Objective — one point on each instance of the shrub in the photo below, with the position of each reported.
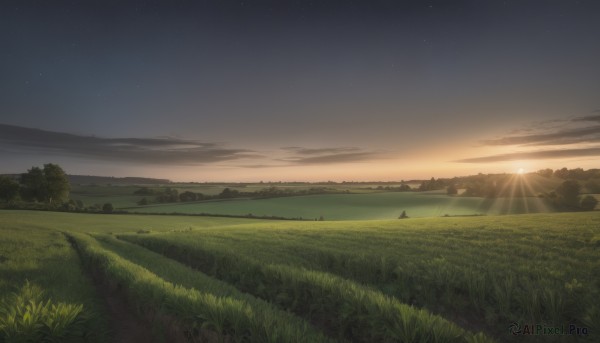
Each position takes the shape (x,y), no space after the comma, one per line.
(26,316)
(588,203)
(107,208)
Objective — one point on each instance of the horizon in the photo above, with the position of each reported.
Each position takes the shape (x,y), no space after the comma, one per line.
(300,91)
(521,173)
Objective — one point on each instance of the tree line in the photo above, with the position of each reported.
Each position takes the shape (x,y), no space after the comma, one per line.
(45,188)
(170,195)
(48,185)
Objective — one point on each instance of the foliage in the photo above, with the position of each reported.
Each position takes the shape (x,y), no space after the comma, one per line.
(49,184)
(488,267)
(350,279)
(57,183)
(353,312)
(588,203)
(432,185)
(33,185)
(451,190)
(29,316)
(169,195)
(567,195)
(577,173)
(33,254)
(107,208)
(144,191)
(9,188)
(593,186)
(156,284)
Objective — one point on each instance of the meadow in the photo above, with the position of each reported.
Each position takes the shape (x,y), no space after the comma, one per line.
(380,205)
(458,279)
(345,201)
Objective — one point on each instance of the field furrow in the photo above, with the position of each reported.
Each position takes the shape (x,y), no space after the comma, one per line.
(481,274)
(211,310)
(353,311)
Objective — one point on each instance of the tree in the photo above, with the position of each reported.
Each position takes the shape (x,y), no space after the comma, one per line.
(404,188)
(561,173)
(143,202)
(49,185)
(568,194)
(144,191)
(9,188)
(593,186)
(545,172)
(107,208)
(588,203)
(57,183)
(403,215)
(187,196)
(451,190)
(33,185)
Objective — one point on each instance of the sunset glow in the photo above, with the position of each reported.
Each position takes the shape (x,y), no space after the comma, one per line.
(285,91)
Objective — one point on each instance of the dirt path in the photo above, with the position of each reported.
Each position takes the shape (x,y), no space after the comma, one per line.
(125,325)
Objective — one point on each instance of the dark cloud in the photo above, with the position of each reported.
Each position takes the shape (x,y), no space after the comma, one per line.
(321,151)
(575,135)
(140,150)
(563,134)
(307,156)
(588,118)
(553,132)
(535,155)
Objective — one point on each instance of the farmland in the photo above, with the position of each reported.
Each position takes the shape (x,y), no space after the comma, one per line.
(424,280)
(332,201)
(384,205)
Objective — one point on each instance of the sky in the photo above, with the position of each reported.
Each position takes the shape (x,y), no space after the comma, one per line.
(299,90)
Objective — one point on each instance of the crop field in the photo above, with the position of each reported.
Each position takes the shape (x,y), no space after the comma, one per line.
(384,205)
(122,196)
(464,279)
(45,294)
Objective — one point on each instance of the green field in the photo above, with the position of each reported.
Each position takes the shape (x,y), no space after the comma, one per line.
(423,280)
(384,205)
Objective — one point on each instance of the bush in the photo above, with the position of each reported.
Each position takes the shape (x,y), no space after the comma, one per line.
(451,190)
(107,208)
(588,203)
(26,316)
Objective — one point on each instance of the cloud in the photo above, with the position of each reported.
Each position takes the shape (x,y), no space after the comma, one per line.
(588,118)
(572,137)
(308,156)
(532,155)
(321,151)
(141,150)
(575,135)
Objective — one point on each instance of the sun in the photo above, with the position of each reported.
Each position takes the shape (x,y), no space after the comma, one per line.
(520,171)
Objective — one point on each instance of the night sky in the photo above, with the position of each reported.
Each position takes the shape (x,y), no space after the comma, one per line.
(299,90)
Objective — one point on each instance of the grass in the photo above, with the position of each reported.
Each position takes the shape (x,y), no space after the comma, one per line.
(163,286)
(387,205)
(482,272)
(42,281)
(351,311)
(362,280)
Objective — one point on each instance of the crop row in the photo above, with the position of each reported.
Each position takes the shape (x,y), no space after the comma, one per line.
(542,272)
(546,287)
(349,310)
(209,307)
(44,294)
